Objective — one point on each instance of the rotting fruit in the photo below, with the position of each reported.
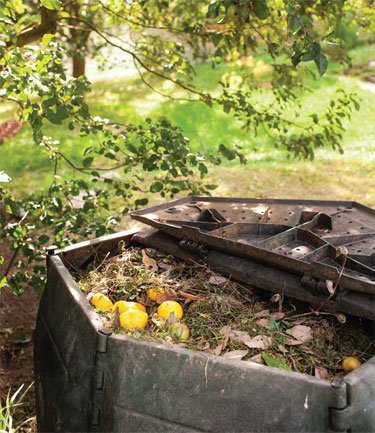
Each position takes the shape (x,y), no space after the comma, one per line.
(350,363)
(101,302)
(154,294)
(124,306)
(166,308)
(133,319)
(179,331)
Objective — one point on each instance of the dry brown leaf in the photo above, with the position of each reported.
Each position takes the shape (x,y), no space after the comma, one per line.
(172,318)
(149,262)
(116,319)
(301,334)
(282,349)
(99,289)
(263,323)
(164,266)
(258,342)
(189,296)
(236,354)
(263,313)
(321,373)
(225,331)
(171,295)
(278,316)
(232,300)
(216,280)
(257,358)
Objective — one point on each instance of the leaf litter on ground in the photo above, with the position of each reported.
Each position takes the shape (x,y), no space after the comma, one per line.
(226,318)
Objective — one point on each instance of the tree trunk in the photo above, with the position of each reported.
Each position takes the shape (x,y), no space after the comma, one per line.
(79,64)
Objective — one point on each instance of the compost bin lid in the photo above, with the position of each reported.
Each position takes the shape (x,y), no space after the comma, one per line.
(329,242)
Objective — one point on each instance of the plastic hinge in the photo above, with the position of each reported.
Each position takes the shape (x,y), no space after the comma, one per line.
(95,415)
(338,415)
(99,379)
(340,419)
(101,344)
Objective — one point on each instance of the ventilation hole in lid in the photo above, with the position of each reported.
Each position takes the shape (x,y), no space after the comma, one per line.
(285,219)
(359,251)
(338,216)
(348,233)
(243,218)
(362,228)
(350,245)
(350,222)
(363,242)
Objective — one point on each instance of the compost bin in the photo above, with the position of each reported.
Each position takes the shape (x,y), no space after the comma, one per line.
(90,379)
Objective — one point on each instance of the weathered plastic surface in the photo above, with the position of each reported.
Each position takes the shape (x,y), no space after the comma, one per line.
(90,380)
(303,237)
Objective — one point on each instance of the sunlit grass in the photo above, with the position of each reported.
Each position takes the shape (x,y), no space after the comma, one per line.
(269,171)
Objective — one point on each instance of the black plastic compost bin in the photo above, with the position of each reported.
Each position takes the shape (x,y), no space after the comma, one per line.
(88,379)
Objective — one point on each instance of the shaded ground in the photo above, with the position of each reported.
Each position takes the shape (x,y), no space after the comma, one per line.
(17,324)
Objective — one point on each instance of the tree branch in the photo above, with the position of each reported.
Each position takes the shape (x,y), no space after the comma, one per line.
(48,24)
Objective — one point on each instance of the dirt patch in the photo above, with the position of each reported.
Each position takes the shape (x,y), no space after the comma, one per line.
(17,324)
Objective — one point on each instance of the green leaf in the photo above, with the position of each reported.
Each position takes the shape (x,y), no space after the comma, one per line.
(321,63)
(306,21)
(43,239)
(294,24)
(3,281)
(312,52)
(87,161)
(290,9)
(51,4)
(213,10)
(56,117)
(141,202)
(260,9)
(156,186)
(275,361)
(47,39)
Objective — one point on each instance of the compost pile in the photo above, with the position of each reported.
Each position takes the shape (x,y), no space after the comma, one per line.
(222,317)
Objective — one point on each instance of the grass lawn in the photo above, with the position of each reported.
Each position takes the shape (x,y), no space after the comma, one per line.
(268,173)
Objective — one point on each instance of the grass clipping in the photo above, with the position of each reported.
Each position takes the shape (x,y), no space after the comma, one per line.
(226,318)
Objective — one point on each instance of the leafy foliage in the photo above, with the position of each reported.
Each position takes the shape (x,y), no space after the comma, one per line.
(167,38)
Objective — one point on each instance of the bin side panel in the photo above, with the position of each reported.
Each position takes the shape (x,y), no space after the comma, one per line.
(64,353)
(209,393)
(361,398)
(132,422)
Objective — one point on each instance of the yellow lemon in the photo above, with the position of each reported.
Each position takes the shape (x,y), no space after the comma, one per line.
(133,319)
(350,363)
(153,294)
(168,307)
(179,331)
(101,302)
(128,305)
